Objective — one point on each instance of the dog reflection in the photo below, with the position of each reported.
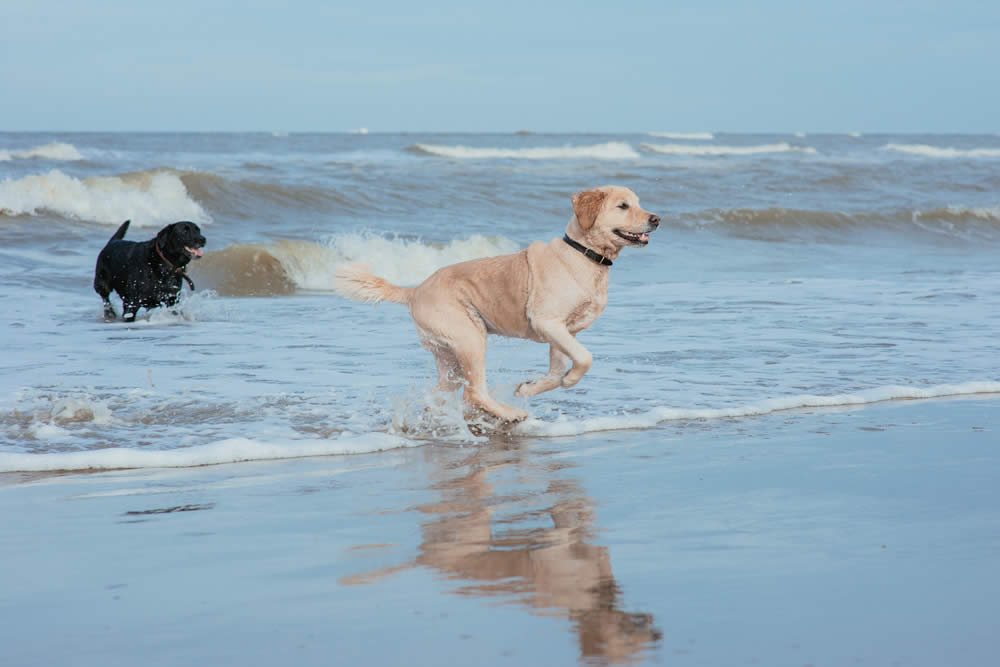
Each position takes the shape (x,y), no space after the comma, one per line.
(540,555)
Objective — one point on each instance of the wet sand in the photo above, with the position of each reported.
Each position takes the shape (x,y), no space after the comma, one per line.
(825,537)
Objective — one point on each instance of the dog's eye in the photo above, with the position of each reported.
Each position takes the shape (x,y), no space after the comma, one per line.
(623,206)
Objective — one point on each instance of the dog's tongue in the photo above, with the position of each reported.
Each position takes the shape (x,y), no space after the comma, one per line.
(194,251)
(644,237)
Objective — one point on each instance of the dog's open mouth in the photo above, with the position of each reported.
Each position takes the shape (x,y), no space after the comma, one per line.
(641,238)
(196,252)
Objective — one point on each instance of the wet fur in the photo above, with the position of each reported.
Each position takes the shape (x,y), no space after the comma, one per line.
(138,274)
(547,292)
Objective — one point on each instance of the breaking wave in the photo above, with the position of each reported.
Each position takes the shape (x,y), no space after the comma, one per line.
(576,426)
(230,450)
(51,151)
(925,150)
(282,267)
(712,150)
(612,150)
(242,197)
(683,135)
(778,224)
(149,198)
(234,450)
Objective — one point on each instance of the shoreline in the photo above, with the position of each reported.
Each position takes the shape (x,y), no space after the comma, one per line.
(811,536)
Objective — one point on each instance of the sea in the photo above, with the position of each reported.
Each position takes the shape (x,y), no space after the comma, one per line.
(791,271)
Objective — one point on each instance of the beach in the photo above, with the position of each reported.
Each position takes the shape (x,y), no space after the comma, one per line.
(784,453)
(824,537)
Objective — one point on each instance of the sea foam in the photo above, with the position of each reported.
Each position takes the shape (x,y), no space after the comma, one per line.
(51,151)
(612,150)
(408,262)
(683,135)
(233,450)
(283,266)
(924,150)
(650,418)
(715,150)
(230,450)
(149,199)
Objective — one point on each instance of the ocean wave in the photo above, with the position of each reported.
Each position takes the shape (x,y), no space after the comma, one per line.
(612,150)
(285,266)
(712,150)
(925,150)
(51,151)
(231,450)
(683,135)
(241,197)
(783,224)
(576,426)
(775,216)
(234,450)
(149,198)
(960,214)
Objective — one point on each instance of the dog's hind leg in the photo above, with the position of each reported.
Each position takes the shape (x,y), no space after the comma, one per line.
(470,351)
(549,381)
(448,370)
(104,291)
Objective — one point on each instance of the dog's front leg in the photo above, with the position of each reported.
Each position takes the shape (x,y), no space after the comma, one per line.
(549,381)
(560,338)
(130,309)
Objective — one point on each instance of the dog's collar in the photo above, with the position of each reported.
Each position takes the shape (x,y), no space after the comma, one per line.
(587,252)
(179,270)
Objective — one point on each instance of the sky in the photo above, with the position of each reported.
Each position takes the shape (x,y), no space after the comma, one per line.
(506,65)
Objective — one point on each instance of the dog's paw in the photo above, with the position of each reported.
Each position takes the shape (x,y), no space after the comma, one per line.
(491,426)
(482,423)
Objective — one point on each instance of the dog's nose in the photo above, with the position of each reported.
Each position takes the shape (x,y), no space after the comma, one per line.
(654,221)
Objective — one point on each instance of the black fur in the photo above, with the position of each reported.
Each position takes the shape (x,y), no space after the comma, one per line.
(142,278)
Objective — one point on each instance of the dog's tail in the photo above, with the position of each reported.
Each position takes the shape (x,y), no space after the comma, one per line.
(120,234)
(355,281)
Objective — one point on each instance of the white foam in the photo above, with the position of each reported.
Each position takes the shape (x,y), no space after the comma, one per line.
(231,450)
(938,152)
(149,199)
(51,151)
(404,262)
(714,150)
(683,135)
(990,213)
(234,450)
(613,150)
(576,426)
(51,413)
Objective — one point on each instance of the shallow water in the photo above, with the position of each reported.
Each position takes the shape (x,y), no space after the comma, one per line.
(789,271)
(815,536)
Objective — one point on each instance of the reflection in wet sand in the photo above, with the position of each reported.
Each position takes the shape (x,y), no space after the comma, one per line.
(504,527)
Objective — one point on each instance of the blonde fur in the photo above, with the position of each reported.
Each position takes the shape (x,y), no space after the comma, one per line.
(547,292)
(356,281)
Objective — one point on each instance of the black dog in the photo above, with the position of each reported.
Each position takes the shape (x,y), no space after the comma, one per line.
(146,274)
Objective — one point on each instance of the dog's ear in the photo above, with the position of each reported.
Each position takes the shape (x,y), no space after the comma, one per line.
(586,206)
(163,235)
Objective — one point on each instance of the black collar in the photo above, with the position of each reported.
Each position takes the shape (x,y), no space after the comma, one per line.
(588,253)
